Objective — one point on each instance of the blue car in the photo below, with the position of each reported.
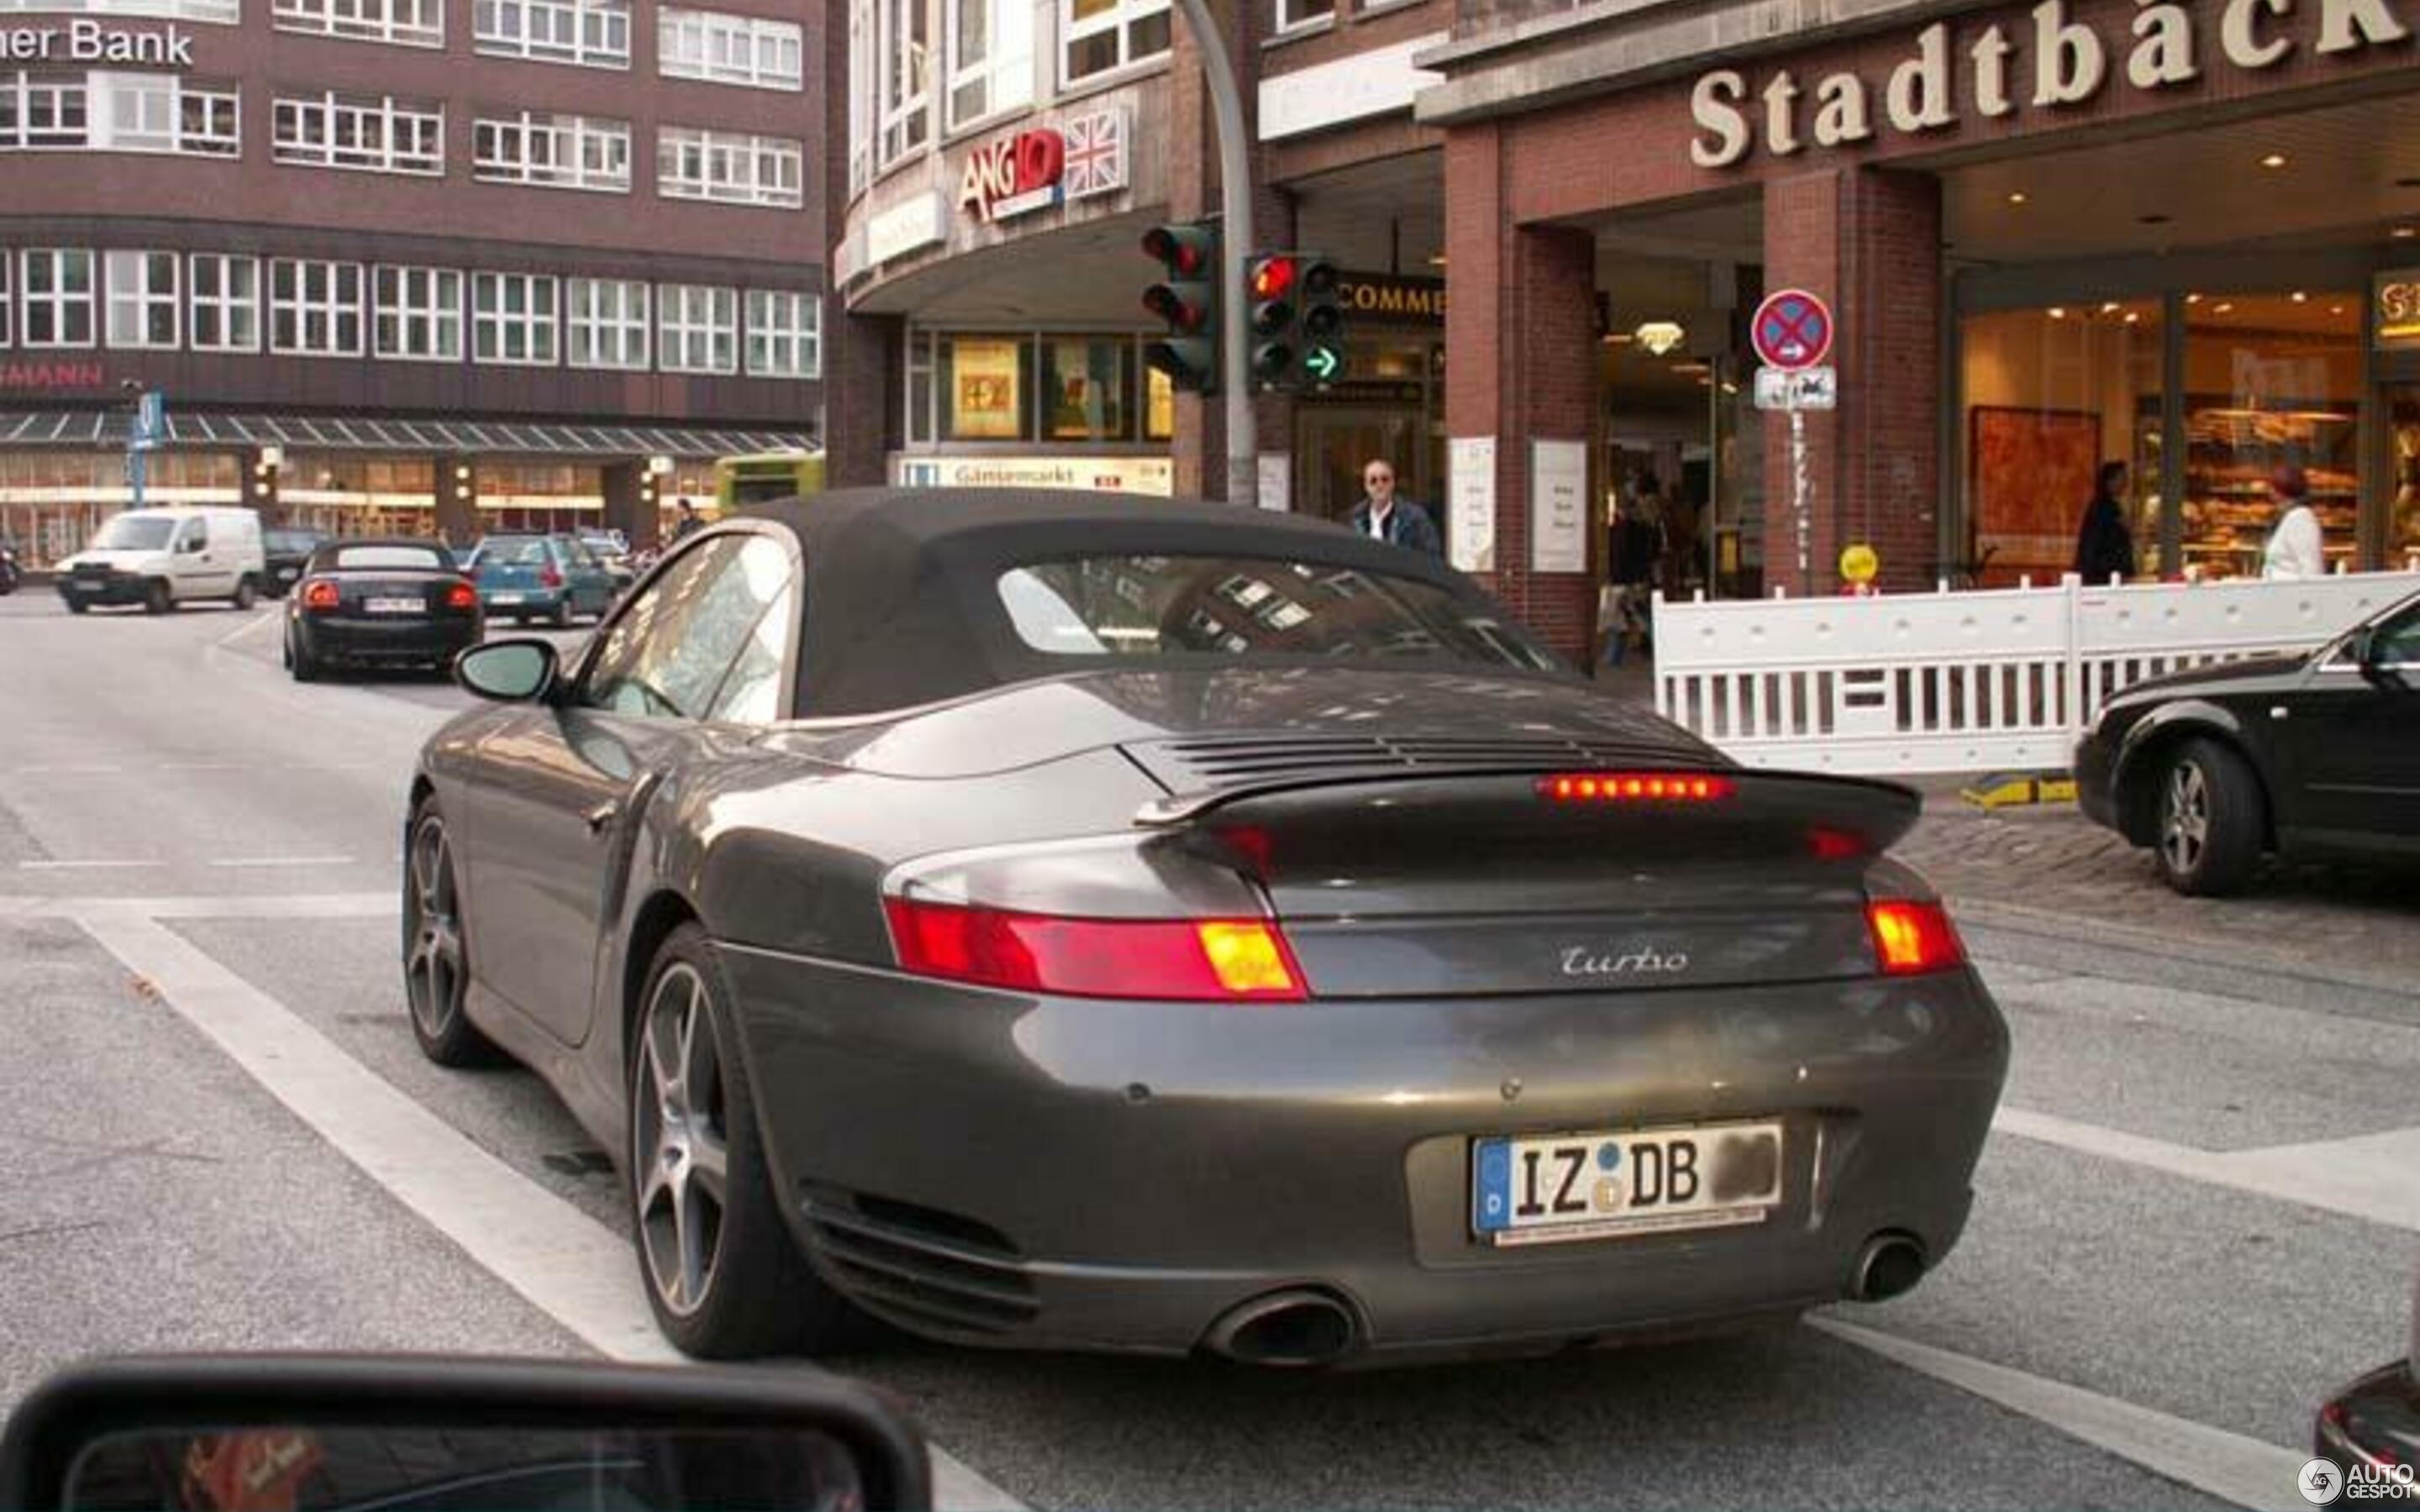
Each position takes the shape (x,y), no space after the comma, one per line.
(551,577)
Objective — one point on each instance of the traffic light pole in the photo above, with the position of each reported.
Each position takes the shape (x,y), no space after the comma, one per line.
(1235,241)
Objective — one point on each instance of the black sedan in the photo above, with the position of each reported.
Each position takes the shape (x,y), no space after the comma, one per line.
(397,603)
(2307,757)
(2370,1431)
(1044,919)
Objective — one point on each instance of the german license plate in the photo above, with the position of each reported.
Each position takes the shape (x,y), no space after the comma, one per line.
(504,599)
(287,575)
(1611,1184)
(394,605)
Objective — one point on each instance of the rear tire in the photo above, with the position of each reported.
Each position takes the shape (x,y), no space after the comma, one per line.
(246,593)
(77,606)
(2213,818)
(436,953)
(722,1273)
(299,660)
(561,617)
(158,598)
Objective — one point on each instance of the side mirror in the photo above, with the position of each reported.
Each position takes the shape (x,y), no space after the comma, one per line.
(509,671)
(232,1433)
(189,544)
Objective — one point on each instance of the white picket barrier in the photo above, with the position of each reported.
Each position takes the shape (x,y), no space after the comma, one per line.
(1996,680)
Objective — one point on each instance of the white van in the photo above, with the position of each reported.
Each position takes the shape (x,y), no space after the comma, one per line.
(161,558)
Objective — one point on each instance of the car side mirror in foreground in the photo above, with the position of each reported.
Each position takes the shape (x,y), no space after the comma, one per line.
(509,671)
(315,1433)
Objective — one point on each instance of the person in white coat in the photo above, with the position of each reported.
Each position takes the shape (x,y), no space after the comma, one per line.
(2294,547)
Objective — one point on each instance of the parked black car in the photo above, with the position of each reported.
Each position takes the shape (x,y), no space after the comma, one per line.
(2372,1427)
(288,550)
(389,603)
(2315,756)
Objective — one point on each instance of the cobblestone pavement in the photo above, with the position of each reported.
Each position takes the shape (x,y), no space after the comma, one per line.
(2051,861)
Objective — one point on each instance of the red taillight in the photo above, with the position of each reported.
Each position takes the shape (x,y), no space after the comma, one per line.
(320,593)
(461,595)
(1623,787)
(551,575)
(1209,960)
(1911,938)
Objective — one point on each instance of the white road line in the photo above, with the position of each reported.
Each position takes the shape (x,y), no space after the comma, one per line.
(244,629)
(82,866)
(219,905)
(64,769)
(286,860)
(564,1262)
(2244,1471)
(2374,1177)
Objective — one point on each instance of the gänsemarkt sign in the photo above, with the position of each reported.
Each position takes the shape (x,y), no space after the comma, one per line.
(2045,62)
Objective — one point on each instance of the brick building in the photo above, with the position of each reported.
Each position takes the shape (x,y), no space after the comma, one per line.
(404,264)
(2179,234)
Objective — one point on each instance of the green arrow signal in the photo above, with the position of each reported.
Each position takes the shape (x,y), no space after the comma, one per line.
(1322,362)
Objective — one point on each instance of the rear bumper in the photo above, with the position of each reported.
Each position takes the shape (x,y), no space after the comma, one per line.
(988,1167)
(369,641)
(523,600)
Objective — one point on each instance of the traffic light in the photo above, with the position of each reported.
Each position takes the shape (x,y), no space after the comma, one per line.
(1186,297)
(1296,322)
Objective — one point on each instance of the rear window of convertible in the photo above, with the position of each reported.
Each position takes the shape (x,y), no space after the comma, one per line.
(1130,607)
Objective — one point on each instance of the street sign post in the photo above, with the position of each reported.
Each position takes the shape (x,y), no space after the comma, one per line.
(1794,387)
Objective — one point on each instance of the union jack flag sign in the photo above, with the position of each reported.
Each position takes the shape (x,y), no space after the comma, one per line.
(1095,161)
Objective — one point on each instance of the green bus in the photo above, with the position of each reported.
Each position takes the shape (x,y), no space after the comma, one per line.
(746,479)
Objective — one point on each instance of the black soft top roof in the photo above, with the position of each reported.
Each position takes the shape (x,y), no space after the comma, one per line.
(902,604)
(335,546)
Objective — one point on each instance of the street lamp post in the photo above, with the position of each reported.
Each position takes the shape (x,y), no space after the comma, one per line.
(1235,238)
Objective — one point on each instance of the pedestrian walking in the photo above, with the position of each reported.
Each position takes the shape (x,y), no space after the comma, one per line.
(1633,544)
(689,519)
(2294,548)
(2105,548)
(1383,516)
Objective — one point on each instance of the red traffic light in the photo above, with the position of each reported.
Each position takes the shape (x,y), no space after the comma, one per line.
(1184,255)
(1175,308)
(1272,277)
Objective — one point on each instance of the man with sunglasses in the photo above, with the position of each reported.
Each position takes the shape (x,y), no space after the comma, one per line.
(1382,516)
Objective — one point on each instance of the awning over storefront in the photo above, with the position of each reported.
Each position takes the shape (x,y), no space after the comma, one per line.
(106,429)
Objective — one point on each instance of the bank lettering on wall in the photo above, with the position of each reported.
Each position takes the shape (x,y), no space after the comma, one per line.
(2046,61)
(89,41)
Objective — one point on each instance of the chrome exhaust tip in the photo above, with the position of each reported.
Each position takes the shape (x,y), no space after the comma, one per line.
(1888,1266)
(1294,1329)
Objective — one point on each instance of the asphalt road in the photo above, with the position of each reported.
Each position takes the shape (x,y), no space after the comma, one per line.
(2199,1216)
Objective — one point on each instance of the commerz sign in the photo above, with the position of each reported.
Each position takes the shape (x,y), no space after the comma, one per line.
(2045,62)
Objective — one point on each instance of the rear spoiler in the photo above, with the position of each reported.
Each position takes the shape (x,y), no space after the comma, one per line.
(1867,815)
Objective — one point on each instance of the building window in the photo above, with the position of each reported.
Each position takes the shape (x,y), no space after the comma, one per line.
(2270,379)
(513,318)
(594,33)
(314,308)
(553,151)
(1293,15)
(698,329)
(143,300)
(609,323)
(746,50)
(784,335)
(1088,389)
(420,314)
(731,167)
(7,298)
(224,295)
(907,77)
(161,113)
(216,12)
(861,94)
(1104,36)
(991,57)
(43,111)
(984,381)
(58,285)
(406,23)
(375,133)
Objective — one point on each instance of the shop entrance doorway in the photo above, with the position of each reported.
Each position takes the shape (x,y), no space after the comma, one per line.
(1336,443)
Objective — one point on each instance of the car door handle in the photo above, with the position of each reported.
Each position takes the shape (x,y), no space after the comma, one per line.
(600,816)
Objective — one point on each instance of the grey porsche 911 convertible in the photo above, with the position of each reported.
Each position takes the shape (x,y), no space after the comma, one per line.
(1067,922)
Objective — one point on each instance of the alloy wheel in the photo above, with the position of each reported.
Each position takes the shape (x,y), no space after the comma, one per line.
(433,969)
(2185,818)
(680,1142)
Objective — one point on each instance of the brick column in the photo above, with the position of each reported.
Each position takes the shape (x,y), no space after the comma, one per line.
(1521,365)
(1199,450)
(863,359)
(1869,241)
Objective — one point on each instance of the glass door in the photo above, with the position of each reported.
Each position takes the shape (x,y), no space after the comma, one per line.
(1337,442)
